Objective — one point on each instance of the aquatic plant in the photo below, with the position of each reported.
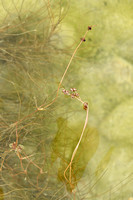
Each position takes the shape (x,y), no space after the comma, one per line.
(49,149)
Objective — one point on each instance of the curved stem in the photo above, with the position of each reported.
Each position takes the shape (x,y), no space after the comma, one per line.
(75,150)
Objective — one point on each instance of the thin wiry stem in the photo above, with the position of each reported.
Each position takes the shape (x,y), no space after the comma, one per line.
(75,150)
(64,73)
(43,107)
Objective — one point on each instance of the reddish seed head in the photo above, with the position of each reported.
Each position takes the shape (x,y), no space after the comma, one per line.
(85,105)
(65,92)
(72,95)
(73,89)
(77,94)
(89,27)
(14,145)
(83,39)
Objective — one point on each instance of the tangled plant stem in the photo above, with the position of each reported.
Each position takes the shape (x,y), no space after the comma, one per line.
(40,108)
(43,107)
(17,147)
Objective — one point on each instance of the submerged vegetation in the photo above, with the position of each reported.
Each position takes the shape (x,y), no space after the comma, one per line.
(57,143)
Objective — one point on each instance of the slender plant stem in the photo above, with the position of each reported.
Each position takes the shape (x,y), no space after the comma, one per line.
(64,74)
(43,107)
(75,150)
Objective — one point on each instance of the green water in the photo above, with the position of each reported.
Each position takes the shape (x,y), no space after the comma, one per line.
(37,41)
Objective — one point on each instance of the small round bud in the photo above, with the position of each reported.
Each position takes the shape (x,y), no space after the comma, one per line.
(77,94)
(73,95)
(89,27)
(73,89)
(83,39)
(65,92)
(85,105)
